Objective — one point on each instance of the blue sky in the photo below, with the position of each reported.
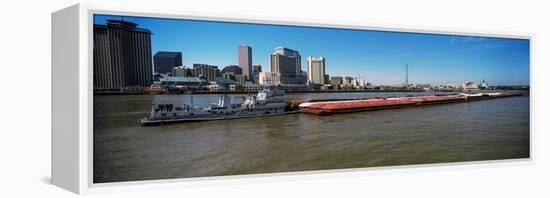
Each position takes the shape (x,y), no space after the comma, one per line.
(379,57)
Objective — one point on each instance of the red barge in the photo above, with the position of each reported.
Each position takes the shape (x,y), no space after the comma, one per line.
(347,106)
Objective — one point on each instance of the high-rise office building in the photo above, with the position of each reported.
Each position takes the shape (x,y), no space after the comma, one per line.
(165,61)
(288,63)
(245,61)
(122,56)
(316,70)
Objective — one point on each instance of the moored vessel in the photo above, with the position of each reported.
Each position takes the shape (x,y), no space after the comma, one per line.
(267,102)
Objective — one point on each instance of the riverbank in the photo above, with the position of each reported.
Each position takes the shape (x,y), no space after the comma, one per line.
(298,92)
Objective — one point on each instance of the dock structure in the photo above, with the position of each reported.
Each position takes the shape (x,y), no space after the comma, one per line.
(348,106)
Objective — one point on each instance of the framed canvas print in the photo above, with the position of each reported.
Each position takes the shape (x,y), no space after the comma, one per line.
(141,96)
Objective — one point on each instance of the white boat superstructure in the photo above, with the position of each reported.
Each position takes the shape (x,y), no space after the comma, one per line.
(266,102)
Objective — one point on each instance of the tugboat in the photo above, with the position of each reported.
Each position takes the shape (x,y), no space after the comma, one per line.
(267,102)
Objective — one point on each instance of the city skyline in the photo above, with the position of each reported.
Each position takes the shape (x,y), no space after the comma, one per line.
(379,57)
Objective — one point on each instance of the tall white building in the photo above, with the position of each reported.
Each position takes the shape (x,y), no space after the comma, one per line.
(316,70)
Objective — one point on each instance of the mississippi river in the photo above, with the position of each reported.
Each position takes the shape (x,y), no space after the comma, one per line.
(126,151)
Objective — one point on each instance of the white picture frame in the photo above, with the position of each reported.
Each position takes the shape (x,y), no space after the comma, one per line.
(72,99)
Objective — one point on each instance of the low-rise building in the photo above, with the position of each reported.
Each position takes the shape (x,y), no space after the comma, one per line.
(221,84)
(241,79)
(327,79)
(183,83)
(424,86)
(269,78)
(357,82)
(336,80)
(347,81)
(470,86)
(228,76)
(257,69)
(294,87)
(249,87)
(484,85)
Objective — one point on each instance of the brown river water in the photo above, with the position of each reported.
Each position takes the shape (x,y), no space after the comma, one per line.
(124,150)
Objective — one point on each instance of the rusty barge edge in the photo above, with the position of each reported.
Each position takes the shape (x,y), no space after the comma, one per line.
(351,106)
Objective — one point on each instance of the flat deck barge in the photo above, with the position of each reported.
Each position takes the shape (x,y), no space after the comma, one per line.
(348,106)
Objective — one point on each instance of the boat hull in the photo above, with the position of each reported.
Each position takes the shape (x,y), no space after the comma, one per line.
(148,122)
